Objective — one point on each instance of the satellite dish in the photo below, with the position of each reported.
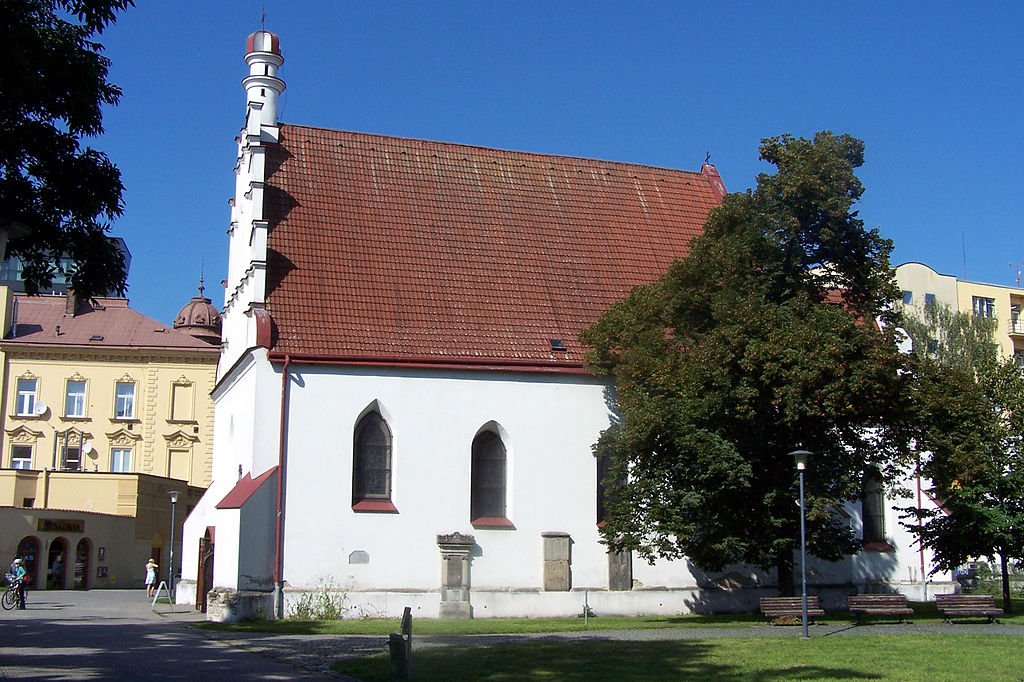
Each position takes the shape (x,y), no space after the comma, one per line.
(87,447)
(40,408)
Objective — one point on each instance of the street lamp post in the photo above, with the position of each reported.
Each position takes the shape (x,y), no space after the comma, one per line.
(170,563)
(800,456)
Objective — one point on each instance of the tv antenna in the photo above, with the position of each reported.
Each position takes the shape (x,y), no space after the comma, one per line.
(1017,267)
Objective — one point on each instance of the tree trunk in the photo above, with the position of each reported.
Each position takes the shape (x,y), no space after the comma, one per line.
(1005,568)
(784,566)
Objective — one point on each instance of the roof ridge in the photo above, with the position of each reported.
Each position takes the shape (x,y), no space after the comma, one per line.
(482,148)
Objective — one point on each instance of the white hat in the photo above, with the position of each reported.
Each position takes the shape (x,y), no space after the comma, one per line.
(17,561)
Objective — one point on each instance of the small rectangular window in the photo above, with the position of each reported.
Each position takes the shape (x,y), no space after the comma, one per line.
(908,297)
(124,401)
(21,456)
(71,458)
(74,400)
(121,460)
(26,400)
(983,306)
(929,300)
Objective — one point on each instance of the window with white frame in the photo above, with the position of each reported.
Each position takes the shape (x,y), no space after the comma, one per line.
(121,460)
(124,400)
(21,456)
(74,399)
(26,399)
(983,306)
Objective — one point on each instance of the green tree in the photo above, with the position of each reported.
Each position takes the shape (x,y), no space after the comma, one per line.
(971,435)
(744,351)
(56,196)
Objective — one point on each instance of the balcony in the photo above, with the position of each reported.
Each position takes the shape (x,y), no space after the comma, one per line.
(1016,326)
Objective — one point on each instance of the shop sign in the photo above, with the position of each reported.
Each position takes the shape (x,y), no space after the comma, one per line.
(61,525)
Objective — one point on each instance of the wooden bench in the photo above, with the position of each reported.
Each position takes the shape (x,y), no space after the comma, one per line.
(965,605)
(863,605)
(778,609)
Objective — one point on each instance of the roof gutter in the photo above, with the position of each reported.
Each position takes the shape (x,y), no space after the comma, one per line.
(554,367)
(278,535)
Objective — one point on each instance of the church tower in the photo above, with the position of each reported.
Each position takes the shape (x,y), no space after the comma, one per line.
(262,86)
(245,321)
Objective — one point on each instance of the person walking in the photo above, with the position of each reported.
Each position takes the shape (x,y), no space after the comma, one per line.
(20,578)
(151,567)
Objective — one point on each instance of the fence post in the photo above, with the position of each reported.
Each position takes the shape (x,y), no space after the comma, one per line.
(400,648)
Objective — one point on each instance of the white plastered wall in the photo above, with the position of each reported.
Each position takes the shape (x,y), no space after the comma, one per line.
(548,425)
(246,427)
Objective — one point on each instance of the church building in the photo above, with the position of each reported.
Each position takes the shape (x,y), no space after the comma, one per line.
(402,412)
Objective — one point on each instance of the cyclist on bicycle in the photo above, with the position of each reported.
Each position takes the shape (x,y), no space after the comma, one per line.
(20,576)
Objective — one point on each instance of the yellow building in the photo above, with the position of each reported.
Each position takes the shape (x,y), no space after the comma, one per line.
(104,412)
(922,285)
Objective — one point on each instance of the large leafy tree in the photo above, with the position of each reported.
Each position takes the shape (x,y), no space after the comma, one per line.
(763,339)
(971,435)
(56,196)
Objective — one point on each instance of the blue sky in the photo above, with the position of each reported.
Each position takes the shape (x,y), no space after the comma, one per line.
(934,89)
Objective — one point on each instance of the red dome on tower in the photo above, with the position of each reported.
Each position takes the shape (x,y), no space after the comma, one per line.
(200,318)
(263,41)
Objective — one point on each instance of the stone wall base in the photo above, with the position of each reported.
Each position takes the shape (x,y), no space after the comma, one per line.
(231,606)
(227,606)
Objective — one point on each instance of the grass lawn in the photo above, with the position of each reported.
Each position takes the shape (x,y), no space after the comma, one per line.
(924,613)
(928,658)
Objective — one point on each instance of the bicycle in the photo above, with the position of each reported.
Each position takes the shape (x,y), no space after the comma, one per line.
(10,599)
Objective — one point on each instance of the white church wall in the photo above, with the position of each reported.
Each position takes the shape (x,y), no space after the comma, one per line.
(246,409)
(549,425)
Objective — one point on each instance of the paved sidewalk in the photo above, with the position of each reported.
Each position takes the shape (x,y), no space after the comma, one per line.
(117,635)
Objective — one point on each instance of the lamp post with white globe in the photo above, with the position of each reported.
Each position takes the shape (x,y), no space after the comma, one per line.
(170,564)
(800,457)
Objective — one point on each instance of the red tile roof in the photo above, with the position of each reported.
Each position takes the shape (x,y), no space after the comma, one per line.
(392,250)
(244,489)
(107,323)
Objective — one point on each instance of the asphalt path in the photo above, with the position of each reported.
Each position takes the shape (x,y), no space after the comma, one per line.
(117,635)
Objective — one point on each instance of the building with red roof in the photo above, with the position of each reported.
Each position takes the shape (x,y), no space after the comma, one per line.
(104,413)
(402,406)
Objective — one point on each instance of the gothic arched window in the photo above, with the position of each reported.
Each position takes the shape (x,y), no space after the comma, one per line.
(371,466)
(487,495)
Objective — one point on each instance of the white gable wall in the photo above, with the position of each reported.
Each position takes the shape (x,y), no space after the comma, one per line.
(246,428)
